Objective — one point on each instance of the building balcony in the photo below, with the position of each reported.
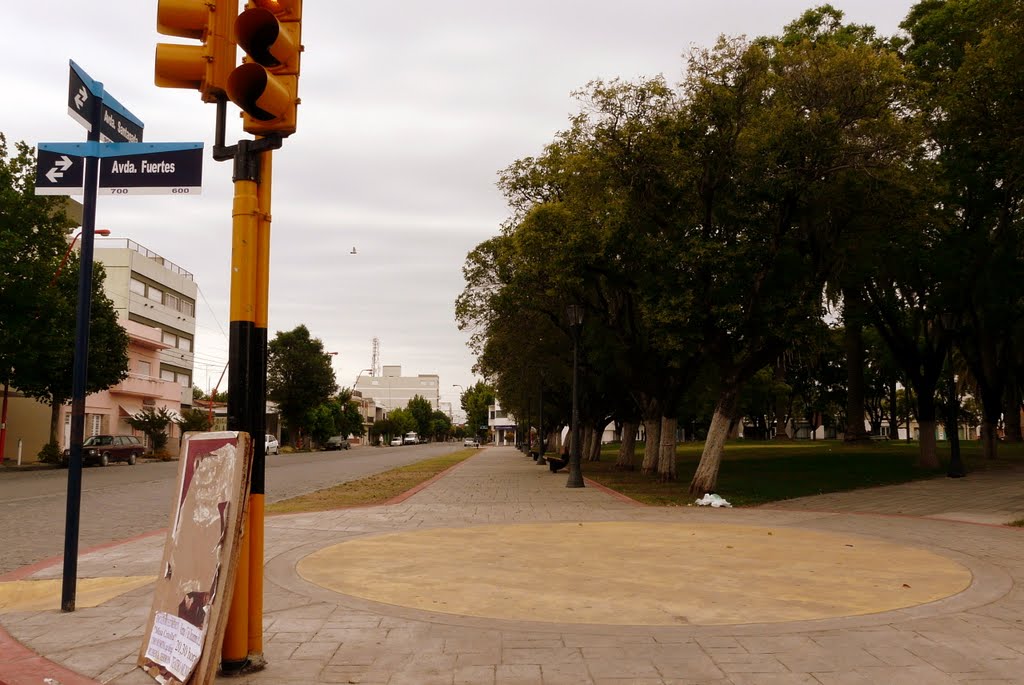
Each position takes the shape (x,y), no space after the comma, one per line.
(148,386)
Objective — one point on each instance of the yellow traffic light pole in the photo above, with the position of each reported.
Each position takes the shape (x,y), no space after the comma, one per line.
(265,88)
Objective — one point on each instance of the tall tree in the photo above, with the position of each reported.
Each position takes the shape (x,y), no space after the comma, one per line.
(299,376)
(47,363)
(967,56)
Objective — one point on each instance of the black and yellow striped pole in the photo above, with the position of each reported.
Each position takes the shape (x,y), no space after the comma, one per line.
(241,374)
(258,365)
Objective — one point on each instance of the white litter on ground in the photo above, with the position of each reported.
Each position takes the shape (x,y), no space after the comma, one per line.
(710,500)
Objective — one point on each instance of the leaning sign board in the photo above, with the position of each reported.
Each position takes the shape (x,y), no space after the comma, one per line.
(125,168)
(197,573)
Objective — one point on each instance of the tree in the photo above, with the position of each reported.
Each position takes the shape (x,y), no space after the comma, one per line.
(966,56)
(47,364)
(195,420)
(37,311)
(421,410)
(475,402)
(152,422)
(33,237)
(299,376)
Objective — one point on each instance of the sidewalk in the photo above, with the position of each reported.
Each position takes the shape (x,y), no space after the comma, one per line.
(497,574)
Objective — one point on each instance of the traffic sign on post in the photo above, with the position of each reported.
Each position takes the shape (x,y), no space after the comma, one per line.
(125,168)
(58,173)
(88,103)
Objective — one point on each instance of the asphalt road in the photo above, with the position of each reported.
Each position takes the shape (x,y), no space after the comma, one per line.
(121,501)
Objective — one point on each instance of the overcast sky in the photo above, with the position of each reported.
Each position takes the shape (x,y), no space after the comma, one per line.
(409,110)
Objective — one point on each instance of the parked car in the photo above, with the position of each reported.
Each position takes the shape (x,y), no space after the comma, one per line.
(338,442)
(271,444)
(470,442)
(410,438)
(396,442)
(103,449)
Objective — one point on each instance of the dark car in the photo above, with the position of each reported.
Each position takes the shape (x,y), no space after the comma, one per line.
(103,449)
(338,442)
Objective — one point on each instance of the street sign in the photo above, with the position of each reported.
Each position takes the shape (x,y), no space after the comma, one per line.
(125,168)
(85,95)
(58,173)
(152,169)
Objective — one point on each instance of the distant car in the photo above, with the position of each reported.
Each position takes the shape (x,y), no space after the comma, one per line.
(272,445)
(103,449)
(338,442)
(410,439)
(470,442)
(396,442)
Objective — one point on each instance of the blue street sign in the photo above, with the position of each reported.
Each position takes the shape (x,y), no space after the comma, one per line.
(88,103)
(125,168)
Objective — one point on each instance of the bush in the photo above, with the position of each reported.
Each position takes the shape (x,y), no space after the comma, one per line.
(50,454)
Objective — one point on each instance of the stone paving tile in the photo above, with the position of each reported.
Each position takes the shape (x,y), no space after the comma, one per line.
(312,637)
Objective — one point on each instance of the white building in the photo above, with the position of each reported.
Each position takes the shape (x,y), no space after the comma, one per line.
(154,292)
(392,390)
(501,424)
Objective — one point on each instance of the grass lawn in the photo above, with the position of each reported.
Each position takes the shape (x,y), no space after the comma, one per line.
(757,472)
(372,489)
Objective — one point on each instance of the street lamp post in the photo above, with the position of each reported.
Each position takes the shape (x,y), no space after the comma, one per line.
(574,313)
(956,465)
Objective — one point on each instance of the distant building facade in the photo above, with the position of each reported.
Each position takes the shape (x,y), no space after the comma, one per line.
(391,390)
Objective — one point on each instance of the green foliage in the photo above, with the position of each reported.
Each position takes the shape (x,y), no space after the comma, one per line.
(422,412)
(194,420)
(49,454)
(299,376)
(475,401)
(152,422)
(322,421)
(351,421)
(440,426)
(402,422)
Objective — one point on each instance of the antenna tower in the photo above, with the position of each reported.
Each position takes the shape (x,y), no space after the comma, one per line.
(375,361)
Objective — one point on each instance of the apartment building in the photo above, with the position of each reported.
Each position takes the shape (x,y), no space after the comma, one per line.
(392,390)
(150,290)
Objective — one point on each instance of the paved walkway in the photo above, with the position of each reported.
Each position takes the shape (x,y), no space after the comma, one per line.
(460,585)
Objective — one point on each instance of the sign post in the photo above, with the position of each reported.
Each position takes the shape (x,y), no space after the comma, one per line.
(115,159)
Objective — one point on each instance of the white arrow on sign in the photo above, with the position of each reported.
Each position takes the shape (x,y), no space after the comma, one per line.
(59,167)
(82,96)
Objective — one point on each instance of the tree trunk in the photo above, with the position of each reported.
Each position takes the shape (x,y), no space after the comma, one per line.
(989,437)
(894,422)
(595,443)
(927,457)
(627,448)
(667,453)
(706,476)
(54,420)
(854,343)
(781,402)
(1011,412)
(652,445)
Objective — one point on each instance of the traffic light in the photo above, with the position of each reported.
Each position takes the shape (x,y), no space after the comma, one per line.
(266,85)
(204,67)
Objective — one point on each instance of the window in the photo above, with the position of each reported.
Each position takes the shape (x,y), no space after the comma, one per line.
(172,301)
(96,424)
(184,344)
(144,368)
(170,339)
(137,287)
(155,294)
(167,375)
(184,380)
(187,308)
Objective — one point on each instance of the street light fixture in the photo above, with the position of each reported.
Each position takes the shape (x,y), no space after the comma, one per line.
(956,465)
(574,314)
(67,253)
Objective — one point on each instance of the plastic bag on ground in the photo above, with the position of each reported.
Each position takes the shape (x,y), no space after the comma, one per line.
(710,500)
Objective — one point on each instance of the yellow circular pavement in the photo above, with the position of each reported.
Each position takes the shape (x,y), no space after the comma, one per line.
(635,573)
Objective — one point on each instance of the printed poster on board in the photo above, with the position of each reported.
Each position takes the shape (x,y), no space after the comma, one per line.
(181,645)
